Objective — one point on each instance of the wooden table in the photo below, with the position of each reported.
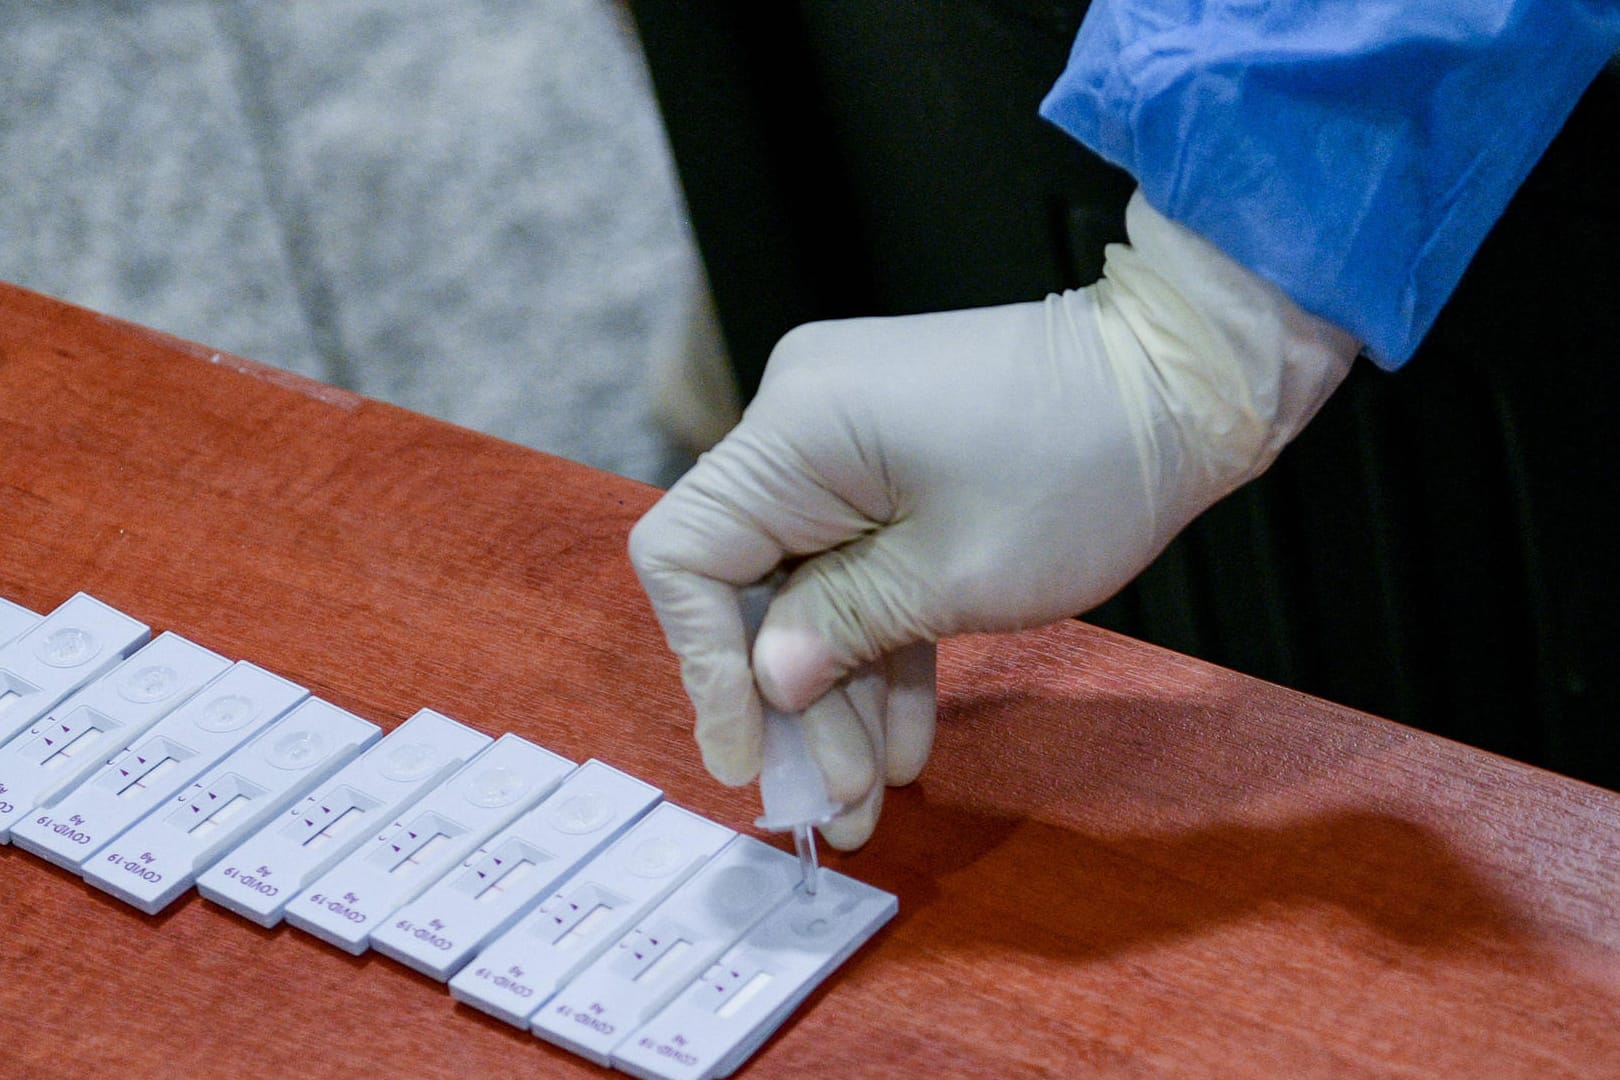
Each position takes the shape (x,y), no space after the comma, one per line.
(1120,861)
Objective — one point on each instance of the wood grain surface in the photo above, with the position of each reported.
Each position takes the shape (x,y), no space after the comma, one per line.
(1119,861)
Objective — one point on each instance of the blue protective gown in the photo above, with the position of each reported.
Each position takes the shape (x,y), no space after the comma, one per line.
(1353,152)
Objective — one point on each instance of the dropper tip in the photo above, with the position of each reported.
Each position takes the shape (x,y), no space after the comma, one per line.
(804,842)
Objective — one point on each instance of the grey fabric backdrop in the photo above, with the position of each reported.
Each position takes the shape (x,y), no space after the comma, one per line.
(462,206)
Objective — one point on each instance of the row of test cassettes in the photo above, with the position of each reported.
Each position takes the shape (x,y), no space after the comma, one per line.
(568,899)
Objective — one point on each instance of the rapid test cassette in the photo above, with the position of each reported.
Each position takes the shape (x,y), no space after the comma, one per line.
(153,767)
(442,928)
(58,751)
(718,1021)
(257,879)
(160,856)
(15,621)
(79,641)
(678,941)
(519,970)
(344,905)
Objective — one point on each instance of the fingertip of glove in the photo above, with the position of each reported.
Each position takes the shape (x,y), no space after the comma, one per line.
(730,767)
(842,748)
(855,827)
(911,738)
(792,667)
(732,750)
(645,542)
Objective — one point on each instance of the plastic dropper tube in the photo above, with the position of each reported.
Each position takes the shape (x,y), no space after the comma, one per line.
(792,788)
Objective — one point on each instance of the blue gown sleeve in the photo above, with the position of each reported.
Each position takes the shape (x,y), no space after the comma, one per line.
(1353,152)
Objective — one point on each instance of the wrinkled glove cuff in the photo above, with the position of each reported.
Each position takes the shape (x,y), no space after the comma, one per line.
(1219,368)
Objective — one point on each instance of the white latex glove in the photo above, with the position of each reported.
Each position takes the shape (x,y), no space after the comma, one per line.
(991,469)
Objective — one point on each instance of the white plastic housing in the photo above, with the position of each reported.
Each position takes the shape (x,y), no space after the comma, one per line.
(79,641)
(345,904)
(47,761)
(441,929)
(630,983)
(161,855)
(520,969)
(15,620)
(718,1021)
(269,868)
(154,767)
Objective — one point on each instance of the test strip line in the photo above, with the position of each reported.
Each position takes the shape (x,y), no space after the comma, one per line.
(64,747)
(568,900)
(279,861)
(630,983)
(521,969)
(441,929)
(345,905)
(721,1018)
(159,858)
(72,646)
(154,766)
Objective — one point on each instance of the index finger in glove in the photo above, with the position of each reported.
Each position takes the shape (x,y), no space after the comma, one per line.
(874,730)
(746,506)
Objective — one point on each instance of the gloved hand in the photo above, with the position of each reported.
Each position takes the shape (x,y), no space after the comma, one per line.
(991,469)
